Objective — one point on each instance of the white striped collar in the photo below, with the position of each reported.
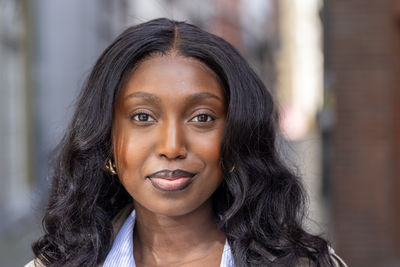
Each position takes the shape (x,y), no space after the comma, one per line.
(121,253)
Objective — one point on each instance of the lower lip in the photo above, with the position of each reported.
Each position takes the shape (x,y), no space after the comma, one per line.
(171,185)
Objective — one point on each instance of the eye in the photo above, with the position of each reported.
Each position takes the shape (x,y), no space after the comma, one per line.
(142,117)
(202,118)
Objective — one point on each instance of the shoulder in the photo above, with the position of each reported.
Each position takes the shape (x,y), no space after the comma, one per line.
(117,222)
(34,263)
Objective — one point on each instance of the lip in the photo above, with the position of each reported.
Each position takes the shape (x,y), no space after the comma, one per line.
(171,181)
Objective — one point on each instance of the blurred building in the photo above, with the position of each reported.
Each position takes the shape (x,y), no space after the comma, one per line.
(362,74)
(299,92)
(47,48)
(16,176)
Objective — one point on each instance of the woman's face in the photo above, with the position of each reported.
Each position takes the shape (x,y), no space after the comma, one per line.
(168,125)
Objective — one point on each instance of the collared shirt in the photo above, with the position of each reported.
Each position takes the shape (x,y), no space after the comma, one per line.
(121,253)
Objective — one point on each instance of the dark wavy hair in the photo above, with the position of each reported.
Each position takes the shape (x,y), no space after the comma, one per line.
(260,203)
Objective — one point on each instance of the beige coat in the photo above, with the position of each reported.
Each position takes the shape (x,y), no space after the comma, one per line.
(121,217)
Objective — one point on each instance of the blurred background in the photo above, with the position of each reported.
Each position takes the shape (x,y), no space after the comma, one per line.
(333,67)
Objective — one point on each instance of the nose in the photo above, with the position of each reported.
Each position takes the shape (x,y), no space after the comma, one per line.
(172,141)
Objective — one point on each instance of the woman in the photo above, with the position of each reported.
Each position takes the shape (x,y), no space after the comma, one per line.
(170,160)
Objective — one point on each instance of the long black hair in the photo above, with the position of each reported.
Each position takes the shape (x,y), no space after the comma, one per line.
(260,201)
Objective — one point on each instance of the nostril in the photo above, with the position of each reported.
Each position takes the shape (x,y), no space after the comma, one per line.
(174,155)
(181,156)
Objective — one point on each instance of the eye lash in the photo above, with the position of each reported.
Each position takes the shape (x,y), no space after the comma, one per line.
(131,117)
(137,113)
(213,118)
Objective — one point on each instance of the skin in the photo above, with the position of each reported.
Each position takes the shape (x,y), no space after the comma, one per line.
(171,114)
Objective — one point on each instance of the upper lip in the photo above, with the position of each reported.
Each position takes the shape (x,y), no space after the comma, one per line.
(168,174)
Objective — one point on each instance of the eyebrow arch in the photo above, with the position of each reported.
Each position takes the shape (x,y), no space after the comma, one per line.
(190,99)
(197,97)
(148,97)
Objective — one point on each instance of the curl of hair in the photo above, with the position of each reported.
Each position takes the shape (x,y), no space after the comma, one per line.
(261,202)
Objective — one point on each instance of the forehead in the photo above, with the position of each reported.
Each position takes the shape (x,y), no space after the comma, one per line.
(172,74)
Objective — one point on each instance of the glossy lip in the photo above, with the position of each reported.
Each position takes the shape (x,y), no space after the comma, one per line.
(171,181)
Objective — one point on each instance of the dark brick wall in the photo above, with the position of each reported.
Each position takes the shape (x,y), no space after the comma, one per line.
(363,57)
(396,45)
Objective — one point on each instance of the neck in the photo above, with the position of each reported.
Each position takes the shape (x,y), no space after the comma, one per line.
(159,238)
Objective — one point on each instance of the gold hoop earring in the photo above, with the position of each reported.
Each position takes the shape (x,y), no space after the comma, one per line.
(110,166)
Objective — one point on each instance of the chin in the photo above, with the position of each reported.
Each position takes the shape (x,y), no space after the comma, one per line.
(175,208)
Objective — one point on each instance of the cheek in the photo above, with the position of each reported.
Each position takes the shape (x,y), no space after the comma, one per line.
(130,152)
(130,157)
(208,148)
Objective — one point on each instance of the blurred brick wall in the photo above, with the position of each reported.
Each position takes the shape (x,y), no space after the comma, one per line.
(396,44)
(363,57)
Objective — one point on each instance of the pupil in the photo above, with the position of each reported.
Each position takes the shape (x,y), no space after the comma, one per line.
(202,117)
(143,117)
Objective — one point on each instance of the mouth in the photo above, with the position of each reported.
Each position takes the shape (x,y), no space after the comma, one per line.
(171,181)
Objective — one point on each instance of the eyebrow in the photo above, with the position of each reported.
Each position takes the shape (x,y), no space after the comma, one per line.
(190,99)
(197,97)
(148,97)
